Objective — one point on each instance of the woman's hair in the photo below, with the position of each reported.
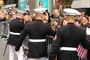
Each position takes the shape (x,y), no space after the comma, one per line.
(40,2)
(86,17)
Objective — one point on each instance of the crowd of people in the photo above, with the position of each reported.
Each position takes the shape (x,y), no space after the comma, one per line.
(69,29)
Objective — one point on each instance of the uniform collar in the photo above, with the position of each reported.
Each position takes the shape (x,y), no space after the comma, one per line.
(39,20)
(71,24)
(18,18)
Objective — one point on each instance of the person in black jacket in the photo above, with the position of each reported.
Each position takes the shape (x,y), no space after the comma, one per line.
(16,26)
(68,38)
(86,28)
(37,32)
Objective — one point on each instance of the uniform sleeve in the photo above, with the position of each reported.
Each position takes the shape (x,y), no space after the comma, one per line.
(55,46)
(21,38)
(85,42)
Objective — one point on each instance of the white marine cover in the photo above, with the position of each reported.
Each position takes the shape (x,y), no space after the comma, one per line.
(70,11)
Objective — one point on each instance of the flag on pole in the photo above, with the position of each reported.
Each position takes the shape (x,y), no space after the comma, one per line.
(82,52)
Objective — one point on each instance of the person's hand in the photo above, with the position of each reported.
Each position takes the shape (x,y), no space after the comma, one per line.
(17,48)
(17,52)
(83,13)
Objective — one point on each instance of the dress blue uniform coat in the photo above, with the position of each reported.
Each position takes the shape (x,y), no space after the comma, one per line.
(35,30)
(15,26)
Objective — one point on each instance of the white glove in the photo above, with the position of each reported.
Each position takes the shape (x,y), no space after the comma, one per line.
(17,52)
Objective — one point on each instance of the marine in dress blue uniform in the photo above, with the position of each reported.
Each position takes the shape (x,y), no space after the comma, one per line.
(16,26)
(37,32)
(68,38)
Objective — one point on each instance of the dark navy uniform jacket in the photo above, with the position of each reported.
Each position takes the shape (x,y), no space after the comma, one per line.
(68,36)
(36,30)
(15,26)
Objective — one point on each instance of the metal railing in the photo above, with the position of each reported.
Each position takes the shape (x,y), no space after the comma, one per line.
(4,30)
(49,41)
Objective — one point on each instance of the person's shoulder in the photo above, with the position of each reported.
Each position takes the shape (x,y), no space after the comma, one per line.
(61,28)
(78,28)
(61,17)
(64,27)
(13,20)
(46,25)
(29,24)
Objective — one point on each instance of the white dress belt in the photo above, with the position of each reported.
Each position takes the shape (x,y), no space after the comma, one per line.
(37,40)
(68,48)
(14,33)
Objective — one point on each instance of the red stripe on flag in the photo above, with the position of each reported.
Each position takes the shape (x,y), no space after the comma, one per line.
(82,52)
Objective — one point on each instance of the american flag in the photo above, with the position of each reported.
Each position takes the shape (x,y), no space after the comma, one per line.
(82,52)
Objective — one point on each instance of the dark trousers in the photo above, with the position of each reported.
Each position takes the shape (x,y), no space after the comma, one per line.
(67,55)
(88,55)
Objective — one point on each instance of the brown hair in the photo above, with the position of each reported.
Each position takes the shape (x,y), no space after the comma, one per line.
(87,17)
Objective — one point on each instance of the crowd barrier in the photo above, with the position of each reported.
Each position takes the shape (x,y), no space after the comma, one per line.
(49,41)
(4,29)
